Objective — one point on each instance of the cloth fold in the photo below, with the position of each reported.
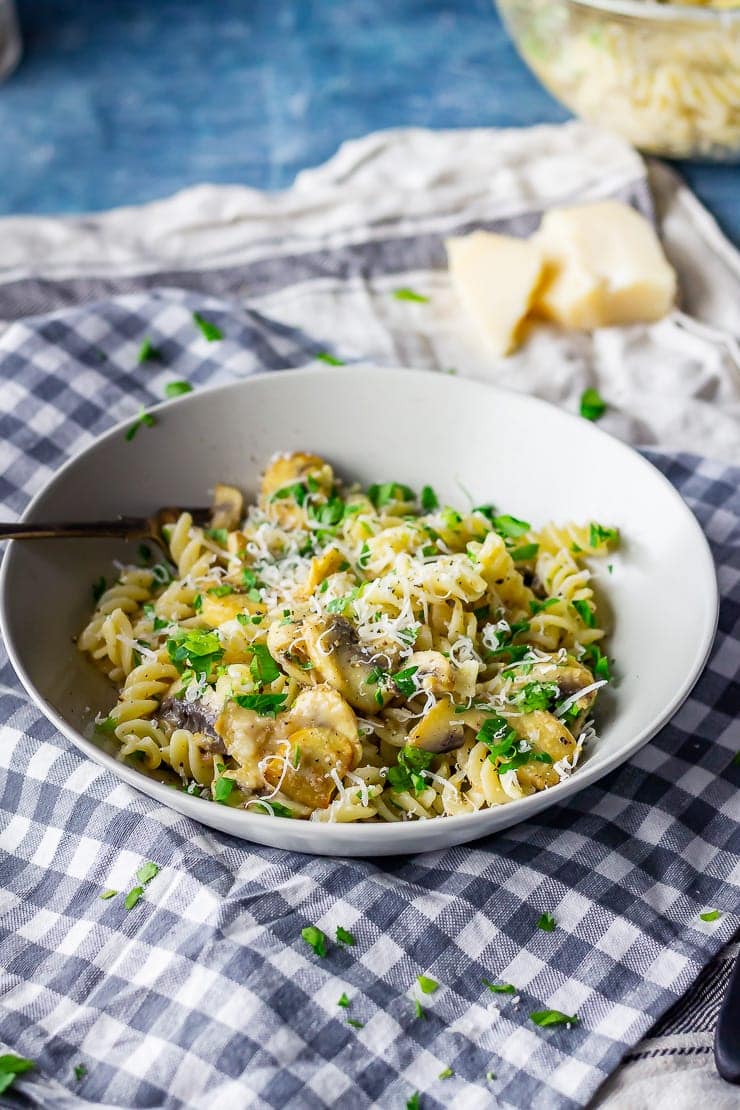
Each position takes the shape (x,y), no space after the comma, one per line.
(204,994)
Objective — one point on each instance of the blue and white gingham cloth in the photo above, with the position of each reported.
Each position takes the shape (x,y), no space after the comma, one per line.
(204,994)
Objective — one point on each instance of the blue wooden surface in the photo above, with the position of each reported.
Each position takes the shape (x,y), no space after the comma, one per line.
(126,100)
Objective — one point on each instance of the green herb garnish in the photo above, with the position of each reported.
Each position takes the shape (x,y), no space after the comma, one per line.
(343,1001)
(274,809)
(223,788)
(355,1024)
(407,775)
(538,606)
(509,526)
(598,535)
(710,915)
(329,359)
(12,1066)
(221,591)
(499,988)
(593,405)
(176,389)
(148,352)
(428,500)
(446,1073)
(146,872)
(546,922)
(145,418)
(266,705)
(344,936)
(524,553)
(585,612)
(535,695)
(428,986)
(80,1072)
(263,667)
(553,1017)
(315,939)
(419,1010)
(405,294)
(404,681)
(414,1103)
(108,894)
(195,648)
(209,330)
(133,897)
(389,492)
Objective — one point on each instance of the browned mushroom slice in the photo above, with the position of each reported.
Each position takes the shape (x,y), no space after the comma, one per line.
(339,659)
(322,566)
(228,507)
(546,734)
(324,708)
(308,765)
(440,730)
(569,677)
(195,716)
(286,644)
(246,737)
(433,671)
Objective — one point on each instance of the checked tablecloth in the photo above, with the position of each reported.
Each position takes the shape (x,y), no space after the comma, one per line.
(204,994)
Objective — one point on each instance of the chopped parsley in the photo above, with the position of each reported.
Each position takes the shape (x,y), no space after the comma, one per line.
(108,724)
(414,1103)
(524,553)
(12,1066)
(266,705)
(407,775)
(404,681)
(585,612)
(274,809)
(145,418)
(298,492)
(148,352)
(108,894)
(221,591)
(222,788)
(710,915)
(80,1072)
(553,1017)
(355,1024)
(263,667)
(509,526)
(546,922)
(147,872)
(177,389)
(98,588)
(198,604)
(597,661)
(329,359)
(344,936)
(362,561)
(209,330)
(220,535)
(446,1073)
(593,405)
(343,1001)
(499,988)
(133,897)
(419,1010)
(405,294)
(195,648)
(535,695)
(428,500)
(427,985)
(389,492)
(315,939)
(538,606)
(598,535)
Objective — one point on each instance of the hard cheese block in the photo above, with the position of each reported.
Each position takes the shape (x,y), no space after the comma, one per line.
(605,266)
(496,278)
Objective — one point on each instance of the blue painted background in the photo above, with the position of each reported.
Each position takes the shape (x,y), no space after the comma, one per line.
(119,101)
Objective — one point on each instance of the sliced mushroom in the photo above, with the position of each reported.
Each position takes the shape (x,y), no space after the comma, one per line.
(570,677)
(440,730)
(286,644)
(227,508)
(546,734)
(433,671)
(196,716)
(323,707)
(307,770)
(335,652)
(246,736)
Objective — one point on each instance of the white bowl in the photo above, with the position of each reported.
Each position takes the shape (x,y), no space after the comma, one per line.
(528,458)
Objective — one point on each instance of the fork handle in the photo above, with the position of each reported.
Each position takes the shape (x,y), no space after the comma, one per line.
(125,527)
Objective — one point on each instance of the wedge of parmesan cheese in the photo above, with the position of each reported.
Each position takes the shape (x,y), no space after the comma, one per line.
(605,266)
(496,278)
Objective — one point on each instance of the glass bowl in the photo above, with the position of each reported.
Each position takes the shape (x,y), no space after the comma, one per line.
(665,76)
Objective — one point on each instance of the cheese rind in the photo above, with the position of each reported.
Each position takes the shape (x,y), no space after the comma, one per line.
(496,278)
(604,265)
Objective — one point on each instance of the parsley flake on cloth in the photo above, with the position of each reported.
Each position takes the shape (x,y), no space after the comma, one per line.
(315,939)
(593,405)
(344,936)
(12,1066)
(428,986)
(208,329)
(546,922)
